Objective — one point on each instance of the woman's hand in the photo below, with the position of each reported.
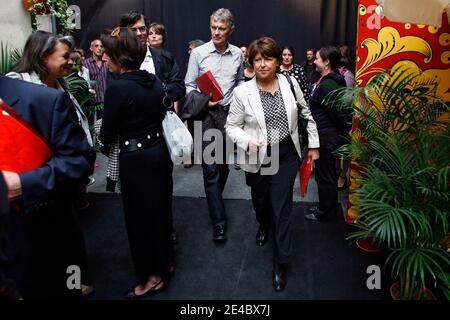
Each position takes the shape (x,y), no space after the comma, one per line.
(313,154)
(254,145)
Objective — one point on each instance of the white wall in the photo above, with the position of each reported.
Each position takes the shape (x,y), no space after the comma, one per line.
(15,23)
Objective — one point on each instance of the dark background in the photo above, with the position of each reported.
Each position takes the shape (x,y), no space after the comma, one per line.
(300,23)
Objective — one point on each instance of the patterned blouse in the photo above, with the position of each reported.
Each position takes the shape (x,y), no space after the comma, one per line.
(299,73)
(275,116)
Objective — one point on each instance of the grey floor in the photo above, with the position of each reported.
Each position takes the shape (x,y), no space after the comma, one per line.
(188,182)
(325,264)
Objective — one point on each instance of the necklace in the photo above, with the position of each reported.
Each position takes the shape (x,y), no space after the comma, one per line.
(273,87)
(283,68)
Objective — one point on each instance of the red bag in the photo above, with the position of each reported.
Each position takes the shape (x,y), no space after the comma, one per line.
(304,173)
(22,148)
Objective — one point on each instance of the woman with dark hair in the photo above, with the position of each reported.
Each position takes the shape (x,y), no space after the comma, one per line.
(156,35)
(134,112)
(328,119)
(289,68)
(262,121)
(46,61)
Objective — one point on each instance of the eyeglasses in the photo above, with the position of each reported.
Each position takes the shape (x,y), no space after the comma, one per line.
(116,33)
(142,29)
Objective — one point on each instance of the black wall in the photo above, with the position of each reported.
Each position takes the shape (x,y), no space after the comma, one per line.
(300,23)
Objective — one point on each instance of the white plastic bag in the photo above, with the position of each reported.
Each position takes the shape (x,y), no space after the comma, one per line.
(178,138)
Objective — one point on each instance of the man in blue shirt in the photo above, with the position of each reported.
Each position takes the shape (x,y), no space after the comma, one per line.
(224,60)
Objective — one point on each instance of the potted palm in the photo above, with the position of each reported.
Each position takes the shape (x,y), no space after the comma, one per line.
(402,146)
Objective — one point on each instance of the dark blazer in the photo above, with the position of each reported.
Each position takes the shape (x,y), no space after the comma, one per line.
(50,112)
(169,73)
(44,237)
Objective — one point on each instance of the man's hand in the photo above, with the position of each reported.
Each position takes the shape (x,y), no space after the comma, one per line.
(313,154)
(254,145)
(212,105)
(14,185)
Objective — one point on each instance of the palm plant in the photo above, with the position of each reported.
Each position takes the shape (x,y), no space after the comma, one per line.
(8,57)
(402,145)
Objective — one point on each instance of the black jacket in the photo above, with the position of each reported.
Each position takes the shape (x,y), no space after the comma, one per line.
(194,106)
(329,119)
(134,106)
(168,72)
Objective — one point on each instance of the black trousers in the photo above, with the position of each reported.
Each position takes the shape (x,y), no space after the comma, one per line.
(326,177)
(146,181)
(272,200)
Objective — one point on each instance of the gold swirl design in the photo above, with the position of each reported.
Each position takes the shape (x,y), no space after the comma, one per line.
(444,39)
(445,57)
(442,75)
(362,10)
(390,43)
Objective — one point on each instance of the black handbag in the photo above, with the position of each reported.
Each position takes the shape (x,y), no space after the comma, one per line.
(302,122)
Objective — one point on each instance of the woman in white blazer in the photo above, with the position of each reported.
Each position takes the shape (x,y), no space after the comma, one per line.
(262,121)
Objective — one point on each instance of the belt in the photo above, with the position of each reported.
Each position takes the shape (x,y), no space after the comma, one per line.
(140,142)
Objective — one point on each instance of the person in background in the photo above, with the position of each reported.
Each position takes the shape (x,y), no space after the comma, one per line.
(191,45)
(98,75)
(264,117)
(135,112)
(312,76)
(289,68)
(347,65)
(158,62)
(44,236)
(327,116)
(224,60)
(156,35)
(77,57)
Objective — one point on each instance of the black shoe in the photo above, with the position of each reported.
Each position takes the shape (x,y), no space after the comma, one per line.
(219,233)
(131,294)
(174,237)
(261,236)
(188,165)
(311,217)
(279,277)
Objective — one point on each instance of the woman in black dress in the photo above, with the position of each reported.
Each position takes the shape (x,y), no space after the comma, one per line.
(134,112)
(289,68)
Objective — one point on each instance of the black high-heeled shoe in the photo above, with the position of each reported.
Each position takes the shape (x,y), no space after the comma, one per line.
(131,294)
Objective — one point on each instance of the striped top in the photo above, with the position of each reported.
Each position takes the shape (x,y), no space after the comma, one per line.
(98,76)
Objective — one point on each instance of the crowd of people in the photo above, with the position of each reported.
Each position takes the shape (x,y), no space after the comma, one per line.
(132,81)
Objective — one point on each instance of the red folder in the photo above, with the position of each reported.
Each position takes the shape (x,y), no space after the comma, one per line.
(304,172)
(22,148)
(209,86)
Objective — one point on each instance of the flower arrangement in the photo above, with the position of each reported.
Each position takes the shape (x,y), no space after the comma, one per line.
(58,8)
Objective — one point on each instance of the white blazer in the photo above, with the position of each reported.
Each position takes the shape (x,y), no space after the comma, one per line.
(246,120)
